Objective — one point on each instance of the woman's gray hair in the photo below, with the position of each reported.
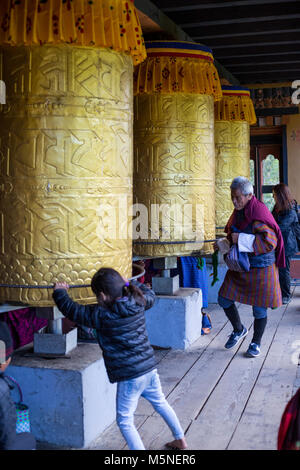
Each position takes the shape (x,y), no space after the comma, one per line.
(243,184)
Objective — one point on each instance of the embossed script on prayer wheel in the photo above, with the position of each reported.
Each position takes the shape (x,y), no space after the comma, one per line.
(174,168)
(66,163)
(233,116)
(232,159)
(174,159)
(66,143)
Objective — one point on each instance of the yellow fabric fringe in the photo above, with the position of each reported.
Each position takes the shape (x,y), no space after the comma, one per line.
(102,23)
(236,105)
(169,74)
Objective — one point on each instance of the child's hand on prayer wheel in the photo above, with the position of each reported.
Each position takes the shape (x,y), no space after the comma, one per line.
(61,285)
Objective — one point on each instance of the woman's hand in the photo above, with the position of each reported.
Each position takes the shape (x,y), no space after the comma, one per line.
(61,285)
(234,237)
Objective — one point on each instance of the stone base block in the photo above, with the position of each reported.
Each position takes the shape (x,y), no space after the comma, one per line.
(50,343)
(165,285)
(175,321)
(71,401)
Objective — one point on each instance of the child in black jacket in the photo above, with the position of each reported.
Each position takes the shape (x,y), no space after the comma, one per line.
(119,321)
(9,440)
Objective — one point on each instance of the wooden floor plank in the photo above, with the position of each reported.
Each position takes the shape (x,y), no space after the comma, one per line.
(169,363)
(258,427)
(192,391)
(176,363)
(218,419)
(223,399)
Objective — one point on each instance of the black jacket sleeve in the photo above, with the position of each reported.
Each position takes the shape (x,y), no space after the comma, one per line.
(296,228)
(87,315)
(149,295)
(8,416)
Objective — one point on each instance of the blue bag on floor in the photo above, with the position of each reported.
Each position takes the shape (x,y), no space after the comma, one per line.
(206,323)
(22,410)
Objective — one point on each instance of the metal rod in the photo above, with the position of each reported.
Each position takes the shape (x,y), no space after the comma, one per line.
(174,243)
(165,273)
(55,326)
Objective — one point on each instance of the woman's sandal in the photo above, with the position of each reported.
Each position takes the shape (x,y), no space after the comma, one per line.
(178,444)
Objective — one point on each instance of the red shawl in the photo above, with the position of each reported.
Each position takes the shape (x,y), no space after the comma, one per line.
(289,429)
(257,210)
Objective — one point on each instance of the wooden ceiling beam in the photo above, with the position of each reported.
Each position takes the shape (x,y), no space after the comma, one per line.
(266,68)
(245,35)
(241,62)
(191,23)
(258,40)
(267,77)
(258,51)
(205,32)
(263,39)
(256,45)
(237,14)
(176,5)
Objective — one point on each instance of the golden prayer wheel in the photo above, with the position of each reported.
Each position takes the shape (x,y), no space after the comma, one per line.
(66,145)
(233,116)
(174,154)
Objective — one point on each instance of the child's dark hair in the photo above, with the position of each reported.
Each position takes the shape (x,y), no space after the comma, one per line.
(111,283)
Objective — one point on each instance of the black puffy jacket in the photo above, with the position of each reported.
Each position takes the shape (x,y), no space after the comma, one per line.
(289,226)
(121,332)
(8,416)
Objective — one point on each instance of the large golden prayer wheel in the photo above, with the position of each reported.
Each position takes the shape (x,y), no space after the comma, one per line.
(174,154)
(66,145)
(233,116)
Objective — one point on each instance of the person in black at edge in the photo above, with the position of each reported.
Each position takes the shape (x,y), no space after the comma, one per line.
(9,439)
(285,214)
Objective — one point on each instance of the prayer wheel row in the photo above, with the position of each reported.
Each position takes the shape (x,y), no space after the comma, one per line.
(175,89)
(80,155)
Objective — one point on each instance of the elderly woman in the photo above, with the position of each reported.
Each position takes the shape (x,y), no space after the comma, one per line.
(253,228)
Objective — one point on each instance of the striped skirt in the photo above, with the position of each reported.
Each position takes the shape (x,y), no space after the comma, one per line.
(259,287)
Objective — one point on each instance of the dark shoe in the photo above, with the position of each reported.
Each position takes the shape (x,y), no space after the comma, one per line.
(235,338)
(286,300)
(253,350)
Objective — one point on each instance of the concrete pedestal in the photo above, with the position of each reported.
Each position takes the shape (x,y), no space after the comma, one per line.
(54,341)
(165,285)
(49,343)
(175,321)
(71,401)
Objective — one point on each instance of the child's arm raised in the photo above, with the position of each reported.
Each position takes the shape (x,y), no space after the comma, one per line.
(87,315)
(148,294)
